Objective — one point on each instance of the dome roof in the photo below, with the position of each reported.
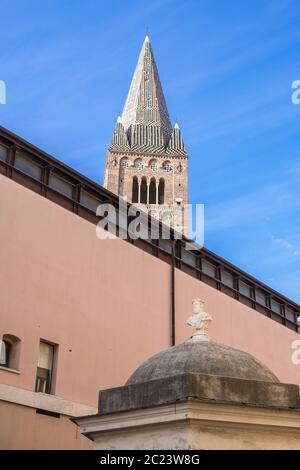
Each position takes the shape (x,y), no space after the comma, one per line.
(202,357)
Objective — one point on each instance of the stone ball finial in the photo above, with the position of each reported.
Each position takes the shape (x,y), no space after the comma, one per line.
(199,320)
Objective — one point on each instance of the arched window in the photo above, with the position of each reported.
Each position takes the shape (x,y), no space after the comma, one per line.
(143,199)
(161,191)
(4,353)
(152,191)
(139,164)
(167,166)
(10,351)
(125,164)
(153,165)
(135,190)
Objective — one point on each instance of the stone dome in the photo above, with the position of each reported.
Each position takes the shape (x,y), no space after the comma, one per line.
(202,357)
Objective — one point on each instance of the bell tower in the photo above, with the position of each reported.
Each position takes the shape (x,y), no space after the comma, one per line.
(147,161)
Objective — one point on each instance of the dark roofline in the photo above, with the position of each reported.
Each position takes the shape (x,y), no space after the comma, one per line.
(50,164)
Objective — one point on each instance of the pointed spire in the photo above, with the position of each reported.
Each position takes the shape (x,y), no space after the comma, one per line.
(176,144)
(145,105)
(119,141)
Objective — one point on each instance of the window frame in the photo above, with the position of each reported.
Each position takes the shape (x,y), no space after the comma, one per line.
(8,347)
(13,344)
(27,165)
(49,388)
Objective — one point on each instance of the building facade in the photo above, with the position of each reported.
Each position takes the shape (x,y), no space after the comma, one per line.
(147,162)
(104,306)
(79,314)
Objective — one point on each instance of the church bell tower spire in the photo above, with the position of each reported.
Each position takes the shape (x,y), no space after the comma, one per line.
(147,161)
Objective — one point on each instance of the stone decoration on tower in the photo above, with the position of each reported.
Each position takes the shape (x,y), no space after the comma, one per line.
(146,161)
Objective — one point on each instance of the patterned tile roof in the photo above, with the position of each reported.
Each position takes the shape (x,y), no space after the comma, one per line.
(145,124)
(145,103)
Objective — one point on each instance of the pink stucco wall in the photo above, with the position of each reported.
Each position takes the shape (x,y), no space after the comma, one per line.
(22,428)
(106,304)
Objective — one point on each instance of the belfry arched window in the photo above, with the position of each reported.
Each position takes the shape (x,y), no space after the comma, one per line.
(161,191)
(125,164)
(135,190)
(143,198)
(152,191)
(153,165)
(167,167)
(139,164)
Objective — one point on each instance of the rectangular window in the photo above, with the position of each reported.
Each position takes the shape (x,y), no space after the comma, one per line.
(208,268)
(28,166)
(227,278)
(188,257)
(165,245)
(44,368)
(3,153)
(275,306)
(244,289)
(260,297)
(61,185)
(290,313)
(87,200)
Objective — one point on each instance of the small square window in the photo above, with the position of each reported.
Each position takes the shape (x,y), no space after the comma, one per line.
(260,297)
(275,306)
(227,278)
(245,289)
(61,185)
(28,166)
(290,314)
(89,201)
(208,269)
(165,245)
(188,257)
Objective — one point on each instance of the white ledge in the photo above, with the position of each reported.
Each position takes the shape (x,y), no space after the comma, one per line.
(44,401)
(7,369)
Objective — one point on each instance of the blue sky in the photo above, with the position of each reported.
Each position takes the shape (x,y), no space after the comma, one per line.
(226,67)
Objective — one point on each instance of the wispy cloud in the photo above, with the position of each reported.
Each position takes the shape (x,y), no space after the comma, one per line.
(250,208)
(286,244)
